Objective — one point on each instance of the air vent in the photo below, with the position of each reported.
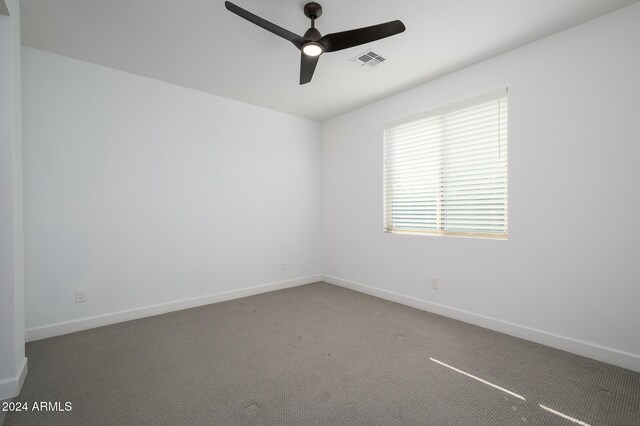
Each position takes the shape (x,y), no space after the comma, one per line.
(368,58)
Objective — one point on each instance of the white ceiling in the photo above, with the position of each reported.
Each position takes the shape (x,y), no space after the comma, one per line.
(199,44)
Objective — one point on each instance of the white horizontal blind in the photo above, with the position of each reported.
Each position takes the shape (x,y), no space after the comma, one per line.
(446,173)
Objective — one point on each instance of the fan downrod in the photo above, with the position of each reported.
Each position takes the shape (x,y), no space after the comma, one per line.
(312,10)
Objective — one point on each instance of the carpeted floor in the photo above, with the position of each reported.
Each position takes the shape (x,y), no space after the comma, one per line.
(316,355)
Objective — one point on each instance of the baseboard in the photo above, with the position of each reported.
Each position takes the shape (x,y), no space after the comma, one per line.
(10,388)
(609,355)
(38,333)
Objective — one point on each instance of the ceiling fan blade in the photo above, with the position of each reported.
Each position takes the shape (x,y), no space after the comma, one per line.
(294,38)
(307,67)
(346,39)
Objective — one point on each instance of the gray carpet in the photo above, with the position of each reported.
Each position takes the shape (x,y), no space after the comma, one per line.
(316,355)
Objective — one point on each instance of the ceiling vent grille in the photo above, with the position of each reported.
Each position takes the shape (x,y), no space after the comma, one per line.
(368,58)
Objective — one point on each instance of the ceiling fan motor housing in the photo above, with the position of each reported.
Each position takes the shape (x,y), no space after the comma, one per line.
(312,34)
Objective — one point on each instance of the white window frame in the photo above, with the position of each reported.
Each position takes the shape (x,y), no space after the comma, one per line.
(391,222)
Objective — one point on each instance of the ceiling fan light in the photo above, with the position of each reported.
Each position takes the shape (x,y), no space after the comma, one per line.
(312,49)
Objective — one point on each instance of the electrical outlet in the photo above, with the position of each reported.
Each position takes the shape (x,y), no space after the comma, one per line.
(81,295)
(434,283)
(283,266)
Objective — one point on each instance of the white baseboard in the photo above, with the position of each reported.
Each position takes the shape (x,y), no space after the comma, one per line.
(609,355)
(38,333)
(10,387)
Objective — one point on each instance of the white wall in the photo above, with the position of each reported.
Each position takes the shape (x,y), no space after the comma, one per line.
(568,275)
(13,364)
(146,193)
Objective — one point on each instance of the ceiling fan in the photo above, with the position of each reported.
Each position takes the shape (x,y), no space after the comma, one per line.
(313,44)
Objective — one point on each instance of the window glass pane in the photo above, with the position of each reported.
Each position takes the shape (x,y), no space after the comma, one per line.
(446,172)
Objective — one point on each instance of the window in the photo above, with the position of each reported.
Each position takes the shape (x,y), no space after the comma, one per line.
(445,172)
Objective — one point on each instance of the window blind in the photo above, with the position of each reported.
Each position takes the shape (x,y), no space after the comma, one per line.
(446,172)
